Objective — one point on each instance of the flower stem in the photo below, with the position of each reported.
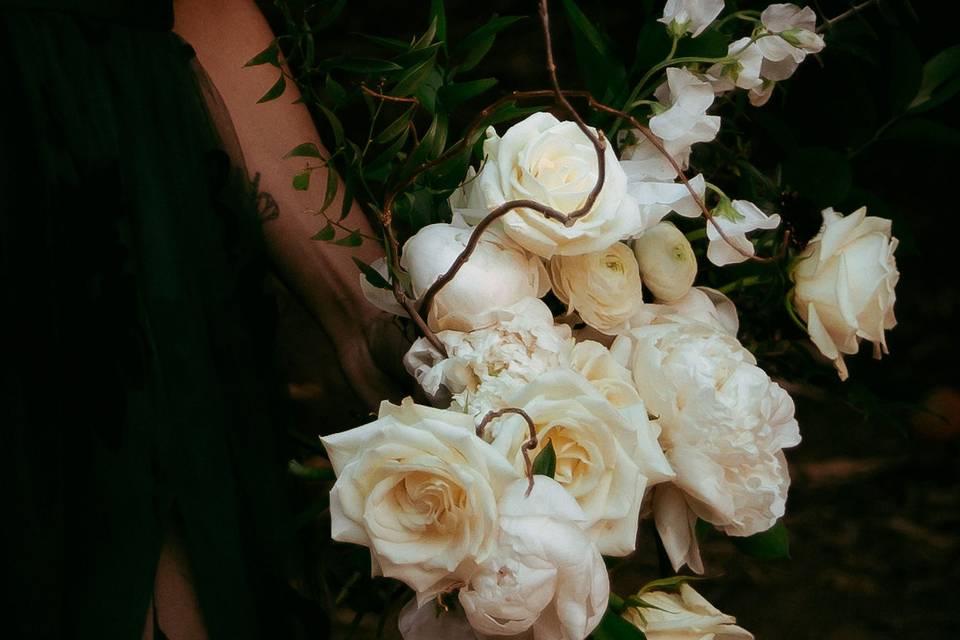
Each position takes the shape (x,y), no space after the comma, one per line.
(742,283)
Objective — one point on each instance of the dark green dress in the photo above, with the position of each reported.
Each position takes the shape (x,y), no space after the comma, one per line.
(135,335)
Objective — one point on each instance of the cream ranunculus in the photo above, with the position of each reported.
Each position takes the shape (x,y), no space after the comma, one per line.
(546,576)
(554,163)
(498,274)
(603,287)
(684,615)
(420,489)
(845,284)
(667,263)
(724,424)
(736,218)
(690,16)
(606,457)
(483,368)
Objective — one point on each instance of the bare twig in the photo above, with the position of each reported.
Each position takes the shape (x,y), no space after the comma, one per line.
(382,96)
(528,446)
(852,11)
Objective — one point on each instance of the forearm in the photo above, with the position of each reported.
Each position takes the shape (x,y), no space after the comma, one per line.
(225,34)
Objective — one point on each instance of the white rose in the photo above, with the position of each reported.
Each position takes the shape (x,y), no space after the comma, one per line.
(603,287)
(685,121)
(796,31)
(690,16)
(554,163)
(743,72)
(420,489)
(498,274)
(483,368)
(845,284)
(724,424)
(594,362)
(666,260)
(546,575)
(605,456)
(737,219)
(685,615)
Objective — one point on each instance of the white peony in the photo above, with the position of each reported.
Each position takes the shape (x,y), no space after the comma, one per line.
(705,305)
(685,121)
(690,16)
(498,274)
(603,287)
(743,72)
(684,615)
(796,35)
(736,218)
(724,424)
(483,368)
(606,457)
(554,163)
(667,262)
(594,362)
(845,284)
(420,489)
(546,576)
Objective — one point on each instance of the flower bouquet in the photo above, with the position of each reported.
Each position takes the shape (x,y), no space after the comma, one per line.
(573,377)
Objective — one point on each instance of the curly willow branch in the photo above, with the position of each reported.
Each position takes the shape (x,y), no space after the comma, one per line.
(422,310)
(528,446)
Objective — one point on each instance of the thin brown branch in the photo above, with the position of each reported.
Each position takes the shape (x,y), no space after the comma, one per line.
(529,445)
(852,11)
(382,96)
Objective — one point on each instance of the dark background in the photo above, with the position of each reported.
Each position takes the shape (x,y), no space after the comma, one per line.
(874,510)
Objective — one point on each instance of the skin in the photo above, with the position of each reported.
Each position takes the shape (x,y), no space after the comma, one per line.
(225,34)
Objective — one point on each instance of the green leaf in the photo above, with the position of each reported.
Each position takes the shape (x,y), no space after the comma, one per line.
(270,55)
(396,127)
(367,66)
(305,150)
(545,463)
(457,93)
(475,46)
(335,125)
(301,181)
(772,544)
(352,240)
(427,38)
(413,78)
(394,44)
(439,16)
(600,67)
(372,275)
(348,186)
(822,175)
(330,192)
(335,91)
(923,131)
(613,627)
(310,473)
(326,234)
(940,80)
(275,91)
(669,583)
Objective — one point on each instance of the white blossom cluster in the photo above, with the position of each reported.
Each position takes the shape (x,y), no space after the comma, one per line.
(651,407)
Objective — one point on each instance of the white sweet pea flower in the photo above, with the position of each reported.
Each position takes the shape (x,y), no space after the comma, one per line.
(554,163)
(484,368)
(420,489)
(498,274)
(606,456)
(685,121)
(546,577)
(684,615)
(760,95)
(603,287)
(743,72)
(736,218)
(845,284)
(724,425)
(690,16)
(796,36)
(666,260)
